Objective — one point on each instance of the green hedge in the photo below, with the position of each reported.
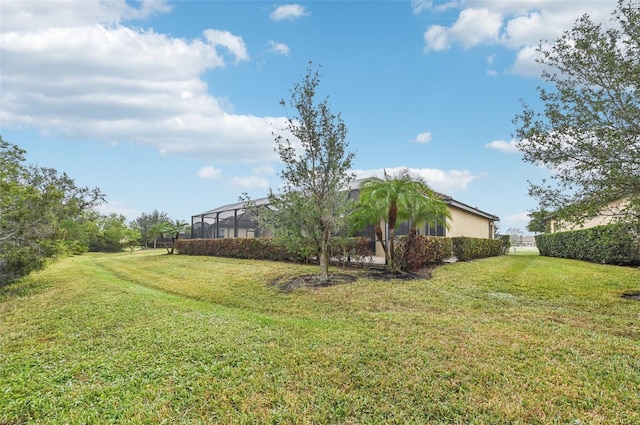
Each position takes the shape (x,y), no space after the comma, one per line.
(424,251)
(267,248)
(248,248)
(465,248)
(609,244)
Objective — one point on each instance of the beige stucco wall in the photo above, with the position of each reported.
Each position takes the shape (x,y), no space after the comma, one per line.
(610,214)
(463,223)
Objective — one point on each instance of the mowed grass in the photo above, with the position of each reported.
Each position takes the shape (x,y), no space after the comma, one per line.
(152,338)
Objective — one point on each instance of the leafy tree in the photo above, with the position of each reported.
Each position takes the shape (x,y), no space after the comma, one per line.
(539,222)
(131,238)
(145,224)
(34,202)
(397,198)
(113,233)
(588,135)
(80,231)
(313,204)
(173,230)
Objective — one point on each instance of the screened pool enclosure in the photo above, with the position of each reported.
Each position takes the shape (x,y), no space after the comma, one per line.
(228,221)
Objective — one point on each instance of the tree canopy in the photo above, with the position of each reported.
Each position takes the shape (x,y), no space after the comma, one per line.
(35,202)
(312,205)
(588,135)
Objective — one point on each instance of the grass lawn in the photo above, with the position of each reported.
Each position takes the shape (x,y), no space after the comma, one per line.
(153,338)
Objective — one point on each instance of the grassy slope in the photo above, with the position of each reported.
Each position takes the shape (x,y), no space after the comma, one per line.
(151,338)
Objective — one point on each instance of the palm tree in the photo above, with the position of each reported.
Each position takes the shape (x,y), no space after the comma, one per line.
(365,214)
(400,197)
(173,228)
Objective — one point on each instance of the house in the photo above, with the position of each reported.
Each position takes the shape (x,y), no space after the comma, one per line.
(613,212)
(234,221)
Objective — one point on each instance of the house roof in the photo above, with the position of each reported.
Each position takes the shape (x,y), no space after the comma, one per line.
(233,207)
(353,185)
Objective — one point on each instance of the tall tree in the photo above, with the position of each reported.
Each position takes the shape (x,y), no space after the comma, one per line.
(588,135)
(34,202)
(313,204)
(400,197)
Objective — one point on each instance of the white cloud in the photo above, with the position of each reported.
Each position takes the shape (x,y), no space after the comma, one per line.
(70,73)
(518,25)
(439,180)
(423,137)
(519,217)
(74,13)
(234,44)
(501,145)
(263,169)
(418,6)
(436,38)
(278,48)
(209,173)
(118,207)
(288,12)
(475,26)
(525,63)
(249,182)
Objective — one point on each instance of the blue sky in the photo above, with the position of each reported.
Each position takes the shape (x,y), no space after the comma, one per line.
(172,105)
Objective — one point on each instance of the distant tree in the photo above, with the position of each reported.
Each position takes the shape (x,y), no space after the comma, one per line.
(515,236)
(313,204)
(113,234)
(588,135)
(131,238)
(145,224)
(34,202)
(397,198)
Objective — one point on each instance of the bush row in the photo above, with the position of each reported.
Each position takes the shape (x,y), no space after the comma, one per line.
(272,249)
(609,244)
(424,251)
(465,248)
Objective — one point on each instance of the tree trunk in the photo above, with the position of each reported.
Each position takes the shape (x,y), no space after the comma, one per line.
(378,231)
(324,266)
(393,217)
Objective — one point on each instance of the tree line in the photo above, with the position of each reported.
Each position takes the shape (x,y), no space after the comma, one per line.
(44,214)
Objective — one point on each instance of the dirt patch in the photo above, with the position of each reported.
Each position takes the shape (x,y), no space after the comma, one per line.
(374,273)
(632,296)
(314,281)
(386,274)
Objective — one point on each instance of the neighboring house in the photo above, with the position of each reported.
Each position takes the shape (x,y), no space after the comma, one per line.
(527,241)
(613,212)
(233,221)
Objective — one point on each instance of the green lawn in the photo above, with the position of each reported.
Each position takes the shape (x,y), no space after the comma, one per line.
(152,338)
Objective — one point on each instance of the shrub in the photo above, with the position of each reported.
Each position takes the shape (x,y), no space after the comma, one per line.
(465,248)
(273,249)
(423,251)
(617,243)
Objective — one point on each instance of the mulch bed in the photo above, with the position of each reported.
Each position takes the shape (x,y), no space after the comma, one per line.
(632,296)
(374,273)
